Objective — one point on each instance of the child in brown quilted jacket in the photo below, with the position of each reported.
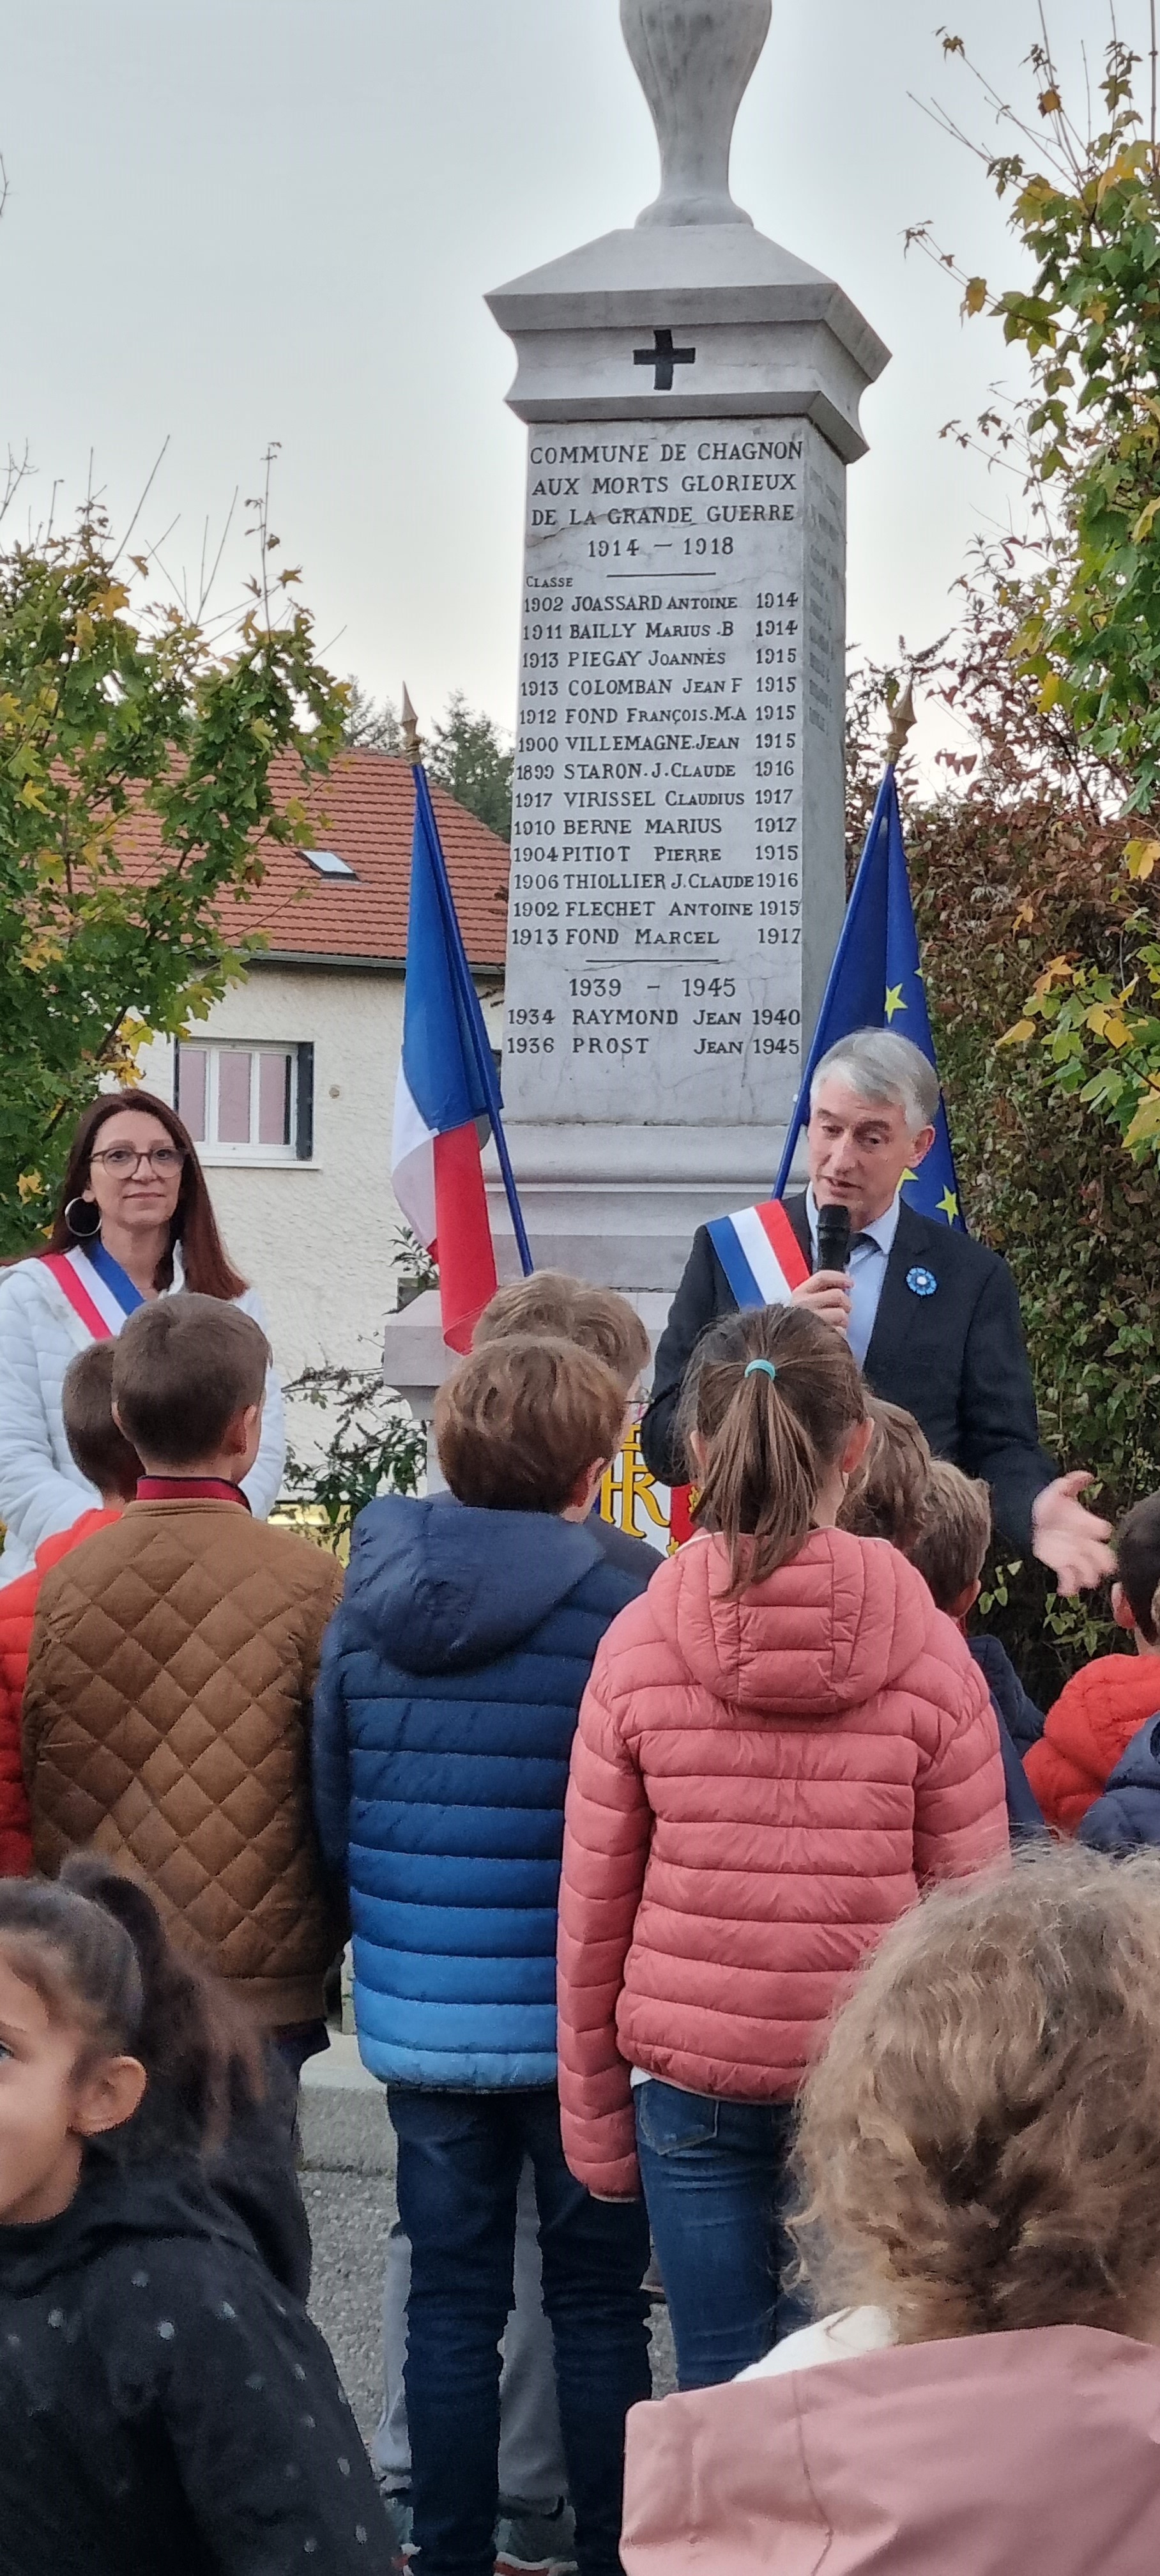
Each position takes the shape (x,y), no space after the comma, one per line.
(168,1705)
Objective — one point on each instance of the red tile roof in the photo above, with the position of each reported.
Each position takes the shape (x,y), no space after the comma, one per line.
(363,810)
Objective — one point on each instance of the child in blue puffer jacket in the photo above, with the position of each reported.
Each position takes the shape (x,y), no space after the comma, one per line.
(444,1715)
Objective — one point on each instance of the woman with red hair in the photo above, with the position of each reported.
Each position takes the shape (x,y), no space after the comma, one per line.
(134,1222)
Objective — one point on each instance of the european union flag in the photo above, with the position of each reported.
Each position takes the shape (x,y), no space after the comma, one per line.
(876,982)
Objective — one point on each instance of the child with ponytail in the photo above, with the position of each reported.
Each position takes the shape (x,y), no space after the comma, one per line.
(781,1742)
(167,2406)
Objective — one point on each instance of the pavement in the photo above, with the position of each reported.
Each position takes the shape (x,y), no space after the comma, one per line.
(348,2184)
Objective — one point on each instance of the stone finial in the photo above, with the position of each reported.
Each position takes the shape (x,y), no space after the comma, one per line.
(902,719)
(409,728)
(694,59)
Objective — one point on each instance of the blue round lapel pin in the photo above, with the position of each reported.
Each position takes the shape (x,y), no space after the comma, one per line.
(921,1283)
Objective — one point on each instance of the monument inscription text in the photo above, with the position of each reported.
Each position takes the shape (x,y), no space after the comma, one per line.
(680,715)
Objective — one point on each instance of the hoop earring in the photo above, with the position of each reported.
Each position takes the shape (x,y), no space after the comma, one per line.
(83,1233)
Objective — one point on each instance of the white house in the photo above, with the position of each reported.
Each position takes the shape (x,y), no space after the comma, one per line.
(288,1086)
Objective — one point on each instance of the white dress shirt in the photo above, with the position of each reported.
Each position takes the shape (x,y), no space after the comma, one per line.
(869,1253)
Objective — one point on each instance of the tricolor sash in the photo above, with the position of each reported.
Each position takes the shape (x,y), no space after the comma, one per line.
(100,1293)
(759,1254)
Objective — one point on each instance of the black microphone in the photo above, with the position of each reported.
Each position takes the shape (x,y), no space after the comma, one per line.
(833,1251)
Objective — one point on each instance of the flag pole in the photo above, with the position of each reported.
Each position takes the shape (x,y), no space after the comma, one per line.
(485,1068)
(903,717)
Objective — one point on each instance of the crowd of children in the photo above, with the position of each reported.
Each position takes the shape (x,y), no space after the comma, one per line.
(683,1919)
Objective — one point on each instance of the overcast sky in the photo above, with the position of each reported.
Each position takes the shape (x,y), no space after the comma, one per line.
(233,221)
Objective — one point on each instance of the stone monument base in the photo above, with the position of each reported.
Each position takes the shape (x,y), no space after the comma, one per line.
(616,1206)
(416,1359)
(620,1205)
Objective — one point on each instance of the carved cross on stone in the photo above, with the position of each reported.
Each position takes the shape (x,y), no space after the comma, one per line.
(663,359)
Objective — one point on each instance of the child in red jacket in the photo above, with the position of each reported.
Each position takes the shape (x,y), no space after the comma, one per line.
(1101,1708)
(111,1463)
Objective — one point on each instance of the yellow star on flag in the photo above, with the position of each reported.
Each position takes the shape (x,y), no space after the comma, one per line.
(894,1001)
(949,1205)
(908,1175)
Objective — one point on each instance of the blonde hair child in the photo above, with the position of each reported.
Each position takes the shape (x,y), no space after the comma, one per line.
(979,2159)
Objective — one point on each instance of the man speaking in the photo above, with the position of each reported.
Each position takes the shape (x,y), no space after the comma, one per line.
(931,1315)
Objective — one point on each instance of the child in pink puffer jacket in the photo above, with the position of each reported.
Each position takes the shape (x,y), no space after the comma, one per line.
(979,2158)
(782,1741)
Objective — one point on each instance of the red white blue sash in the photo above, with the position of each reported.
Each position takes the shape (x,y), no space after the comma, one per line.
(759,1254)
(100,1293)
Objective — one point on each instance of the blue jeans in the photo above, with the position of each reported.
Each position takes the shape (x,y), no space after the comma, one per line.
(460,2157)
(532,2474)
(715,2181)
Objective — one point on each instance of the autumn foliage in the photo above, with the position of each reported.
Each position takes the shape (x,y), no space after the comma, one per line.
(106,707)
(1017,862)
(1036,872)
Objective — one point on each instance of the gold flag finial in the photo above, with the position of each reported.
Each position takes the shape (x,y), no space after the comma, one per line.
(901,719)
(412,739)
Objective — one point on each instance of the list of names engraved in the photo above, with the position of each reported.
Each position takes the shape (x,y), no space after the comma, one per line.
(680,715)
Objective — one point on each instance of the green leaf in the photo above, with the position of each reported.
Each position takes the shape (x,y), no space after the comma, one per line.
(104,710)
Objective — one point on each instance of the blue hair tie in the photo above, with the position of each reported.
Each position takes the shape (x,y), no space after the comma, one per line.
(766,1366)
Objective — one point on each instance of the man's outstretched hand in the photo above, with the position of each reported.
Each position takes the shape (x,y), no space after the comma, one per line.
(1070,1541)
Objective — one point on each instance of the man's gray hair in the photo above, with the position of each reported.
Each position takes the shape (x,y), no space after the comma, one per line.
(880,1066)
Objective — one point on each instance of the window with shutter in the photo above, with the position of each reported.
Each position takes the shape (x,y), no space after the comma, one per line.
(250,1102)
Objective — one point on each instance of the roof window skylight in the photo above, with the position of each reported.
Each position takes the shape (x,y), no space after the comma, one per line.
(327,863)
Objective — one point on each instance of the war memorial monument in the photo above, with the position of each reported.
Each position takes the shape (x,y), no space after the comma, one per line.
(691,393)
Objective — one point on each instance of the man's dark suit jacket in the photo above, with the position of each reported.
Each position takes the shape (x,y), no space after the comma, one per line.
(955,1359)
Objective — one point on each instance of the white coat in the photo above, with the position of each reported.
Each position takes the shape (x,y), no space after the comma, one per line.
(41,1490)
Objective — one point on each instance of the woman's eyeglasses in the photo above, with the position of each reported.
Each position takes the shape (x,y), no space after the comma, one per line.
(120,1160)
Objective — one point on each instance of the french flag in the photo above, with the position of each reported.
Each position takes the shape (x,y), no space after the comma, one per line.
(446,1092)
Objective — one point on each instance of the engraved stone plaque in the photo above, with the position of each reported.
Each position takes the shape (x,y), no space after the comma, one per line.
(679,766)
